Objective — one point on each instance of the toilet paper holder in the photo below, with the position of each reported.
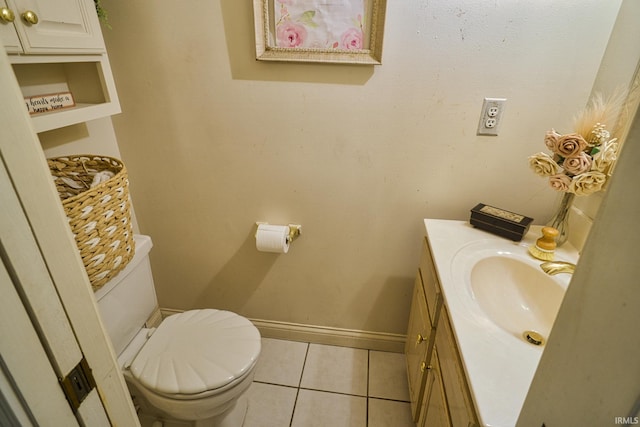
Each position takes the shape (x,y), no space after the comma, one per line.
(294,230)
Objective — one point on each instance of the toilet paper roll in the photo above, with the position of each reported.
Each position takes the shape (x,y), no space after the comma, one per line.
(272,238)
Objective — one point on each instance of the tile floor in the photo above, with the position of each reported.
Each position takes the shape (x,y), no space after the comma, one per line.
(312,385)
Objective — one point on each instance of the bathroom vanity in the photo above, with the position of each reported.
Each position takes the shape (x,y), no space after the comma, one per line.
(476,296)
(433,359)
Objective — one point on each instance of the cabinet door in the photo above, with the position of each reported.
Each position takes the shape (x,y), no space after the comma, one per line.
(63,26)
(434,411)
(419,339)
(8,35)
(454,380)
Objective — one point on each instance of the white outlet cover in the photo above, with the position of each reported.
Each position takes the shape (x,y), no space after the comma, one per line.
(491,116)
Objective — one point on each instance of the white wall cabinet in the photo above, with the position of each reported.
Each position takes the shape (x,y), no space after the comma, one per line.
(60,50)
(50,27)
(8,33)
(440,395)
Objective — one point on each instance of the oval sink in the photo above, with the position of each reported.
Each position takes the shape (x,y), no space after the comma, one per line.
(502,285)
(517,296)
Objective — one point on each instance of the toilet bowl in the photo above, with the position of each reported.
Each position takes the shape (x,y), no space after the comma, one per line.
(193,368)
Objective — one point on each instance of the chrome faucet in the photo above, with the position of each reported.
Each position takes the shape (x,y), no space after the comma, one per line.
(555,267)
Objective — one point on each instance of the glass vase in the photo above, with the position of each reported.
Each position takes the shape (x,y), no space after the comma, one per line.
(560,220)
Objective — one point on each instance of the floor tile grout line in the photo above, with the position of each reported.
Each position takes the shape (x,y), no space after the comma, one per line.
(304,365)
(368,396)
(388,399)
(293,411)
(276,384)
(295,402)
(333,392)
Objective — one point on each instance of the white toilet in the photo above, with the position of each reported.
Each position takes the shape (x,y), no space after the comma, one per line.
(193,369)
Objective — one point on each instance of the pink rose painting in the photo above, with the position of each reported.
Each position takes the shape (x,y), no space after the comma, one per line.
(352,39)
(321,24)
(291,34)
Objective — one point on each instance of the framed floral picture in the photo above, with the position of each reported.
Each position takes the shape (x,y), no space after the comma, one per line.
(334,31)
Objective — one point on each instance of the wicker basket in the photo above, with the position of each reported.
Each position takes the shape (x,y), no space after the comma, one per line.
(98,213)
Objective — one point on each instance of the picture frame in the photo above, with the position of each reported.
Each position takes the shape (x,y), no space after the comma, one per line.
(308,38)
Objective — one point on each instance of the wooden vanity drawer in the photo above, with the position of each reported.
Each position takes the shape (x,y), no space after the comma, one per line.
(430,282)
(459,400)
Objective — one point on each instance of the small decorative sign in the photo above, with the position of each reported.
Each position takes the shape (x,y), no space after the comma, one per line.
(50,102)
(500,213)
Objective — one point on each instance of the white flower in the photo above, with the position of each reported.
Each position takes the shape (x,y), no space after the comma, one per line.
(587,183)
(599,135)
(605,157)
(543,164)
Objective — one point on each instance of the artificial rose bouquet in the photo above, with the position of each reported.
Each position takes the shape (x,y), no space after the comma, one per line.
(580,162)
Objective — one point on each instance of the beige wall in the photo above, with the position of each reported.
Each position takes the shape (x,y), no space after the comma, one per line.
(215,141)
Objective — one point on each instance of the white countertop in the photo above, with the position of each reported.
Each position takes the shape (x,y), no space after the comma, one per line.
(499,368)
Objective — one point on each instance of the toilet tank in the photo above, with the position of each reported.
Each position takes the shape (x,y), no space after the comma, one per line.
(128,300)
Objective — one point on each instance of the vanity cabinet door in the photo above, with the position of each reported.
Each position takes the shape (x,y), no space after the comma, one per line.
(419,340)
(440,395)
(434,411)
(456,389)
(61,26)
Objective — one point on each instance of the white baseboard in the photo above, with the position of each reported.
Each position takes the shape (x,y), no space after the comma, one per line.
(380,341)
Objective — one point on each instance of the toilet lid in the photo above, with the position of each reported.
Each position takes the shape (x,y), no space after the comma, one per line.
(197,351)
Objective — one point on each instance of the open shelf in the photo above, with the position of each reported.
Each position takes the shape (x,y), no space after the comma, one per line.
(87,77)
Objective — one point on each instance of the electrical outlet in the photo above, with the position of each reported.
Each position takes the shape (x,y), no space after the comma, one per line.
(491,116)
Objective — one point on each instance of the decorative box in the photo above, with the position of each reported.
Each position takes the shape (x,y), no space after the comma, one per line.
(507,224)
